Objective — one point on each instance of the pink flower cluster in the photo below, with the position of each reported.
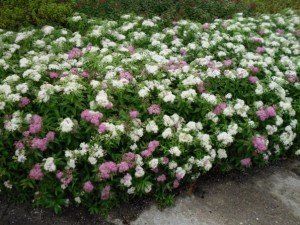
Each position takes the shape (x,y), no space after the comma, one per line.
(253,79)
(24,101)
(19,145)
(265,113)
(102,128)
(92,117)
(201,88)
(227,62)
(126,75)
(88,187)
(260,50)
(41,143)
(175,65)
(53,75)
(206,26)
(131,49)
(220,108)
(162,178)
(105,193)
(129,157)
(254,69)
(74,53)
(85,74)
(151,148)
(65,178)
(36,173)
(134,114)
(176,184)
(246,162)
(183,51)
(123,167)
(107,168)
(259,143)
(35,125)
(154,109)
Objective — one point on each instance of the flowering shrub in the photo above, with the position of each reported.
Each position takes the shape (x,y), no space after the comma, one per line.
(126,108)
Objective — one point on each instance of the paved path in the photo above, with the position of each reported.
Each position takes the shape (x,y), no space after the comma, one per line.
(265,196)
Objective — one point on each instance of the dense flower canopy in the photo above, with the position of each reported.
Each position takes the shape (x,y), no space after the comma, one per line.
(130,107)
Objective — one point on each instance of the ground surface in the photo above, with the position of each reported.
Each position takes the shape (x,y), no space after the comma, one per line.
(265,196)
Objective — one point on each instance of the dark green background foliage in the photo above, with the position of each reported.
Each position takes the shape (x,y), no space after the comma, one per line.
(203,10)
(17,13)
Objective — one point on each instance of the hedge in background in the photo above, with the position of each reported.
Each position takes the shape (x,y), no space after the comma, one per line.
(269,6)
(17,13)
(169,10)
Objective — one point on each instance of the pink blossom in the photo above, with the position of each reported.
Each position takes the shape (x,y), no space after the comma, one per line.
(220,108)
(74,71)
(227,62)
(26,133)
(154,109)
(254,69)
(151,148)
(175,184)
(246,162)
(35,124)
(127,178)
(161,178)
(89,47)
(279,31)
(53,75)
(24,101)
(131,49)
(165,160)
(85,114)
(271,111)
(260,50)
(85,74)
(123,167)
(36,173)
(39,143)
(153,144)
(201,88)
(91,116)
(134,114)
(102,128)
(183,52)
(129,157)
(19,145)
(74,53)
(50,136)
(109,106)
(253,79)
(146,153)
(105,192)
(262,114)
(292,78)
(59,174)
(259,143)
(107,168)
(256,39)
(179,176)
(206,26)
(88,187)
(67,178)
(126,75)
